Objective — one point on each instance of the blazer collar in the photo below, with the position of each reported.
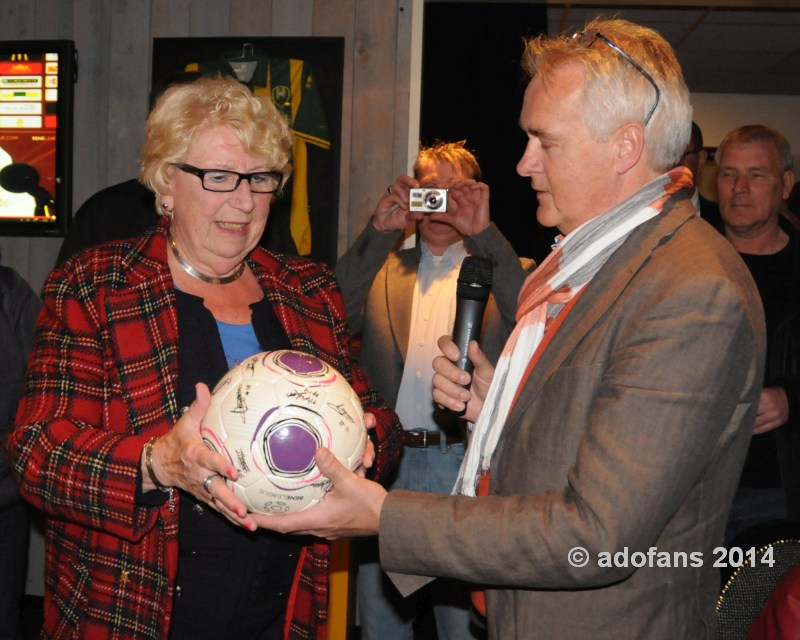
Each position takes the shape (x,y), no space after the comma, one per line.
(605,288)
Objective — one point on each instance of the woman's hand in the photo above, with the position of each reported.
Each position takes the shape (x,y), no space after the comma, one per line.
(180,459)
(368,457)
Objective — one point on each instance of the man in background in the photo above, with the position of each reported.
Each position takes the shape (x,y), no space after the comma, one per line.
(19,306)
(754,179)
(402,300)
(694,158)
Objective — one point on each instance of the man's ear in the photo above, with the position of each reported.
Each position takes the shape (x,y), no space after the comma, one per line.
(629,145)
(788,183)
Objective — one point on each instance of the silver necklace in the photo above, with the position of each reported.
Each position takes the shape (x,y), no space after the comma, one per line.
(198,274)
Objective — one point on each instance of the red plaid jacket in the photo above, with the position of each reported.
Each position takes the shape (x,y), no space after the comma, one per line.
(101,382)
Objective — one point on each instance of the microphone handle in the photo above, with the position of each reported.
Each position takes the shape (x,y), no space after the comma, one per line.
(467,327)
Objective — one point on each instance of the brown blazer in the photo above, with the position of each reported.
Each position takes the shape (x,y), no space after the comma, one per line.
(629,435)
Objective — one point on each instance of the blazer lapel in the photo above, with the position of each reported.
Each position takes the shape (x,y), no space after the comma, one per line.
(143,329)
(605,288)
(400,296)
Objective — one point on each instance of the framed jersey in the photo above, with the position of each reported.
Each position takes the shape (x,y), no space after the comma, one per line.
(303,77)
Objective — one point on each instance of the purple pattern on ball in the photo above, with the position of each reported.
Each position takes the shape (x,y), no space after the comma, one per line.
(301,362)
(291,448)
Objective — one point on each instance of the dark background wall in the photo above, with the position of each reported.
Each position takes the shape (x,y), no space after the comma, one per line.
(472,89)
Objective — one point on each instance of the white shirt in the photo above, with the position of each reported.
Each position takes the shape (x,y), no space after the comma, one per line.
(433,312)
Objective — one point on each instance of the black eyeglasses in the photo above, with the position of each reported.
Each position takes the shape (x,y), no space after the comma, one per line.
(588,38)
(223,181)
(692,152)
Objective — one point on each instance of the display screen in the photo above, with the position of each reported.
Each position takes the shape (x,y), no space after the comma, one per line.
(36,81)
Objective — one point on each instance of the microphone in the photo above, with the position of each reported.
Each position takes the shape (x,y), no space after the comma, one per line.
(472,294)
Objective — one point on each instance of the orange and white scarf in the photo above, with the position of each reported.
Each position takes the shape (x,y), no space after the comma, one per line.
(574,261)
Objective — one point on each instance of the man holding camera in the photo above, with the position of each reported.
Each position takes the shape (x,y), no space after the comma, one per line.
(402,300)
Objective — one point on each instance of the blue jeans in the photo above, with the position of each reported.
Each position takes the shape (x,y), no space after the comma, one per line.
(384,614)
(752,507)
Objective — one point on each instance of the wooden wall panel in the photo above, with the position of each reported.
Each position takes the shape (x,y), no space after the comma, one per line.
(209,18)
(53,19)
(92,34)
(17,21)
(170,18)
(250,18)
(292,18)
(129,80)
(374,104)
(402,87)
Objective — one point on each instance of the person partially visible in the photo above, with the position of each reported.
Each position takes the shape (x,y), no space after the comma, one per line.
(754,179)
(694,158)
(123,210)
(792,209)
(144,538)
(779,618)
(609,439)
(401,300)
(19,306)
(793,203)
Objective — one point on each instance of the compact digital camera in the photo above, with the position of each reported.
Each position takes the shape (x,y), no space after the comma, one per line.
(428,200)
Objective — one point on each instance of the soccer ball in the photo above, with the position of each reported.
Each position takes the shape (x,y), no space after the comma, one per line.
(268,416)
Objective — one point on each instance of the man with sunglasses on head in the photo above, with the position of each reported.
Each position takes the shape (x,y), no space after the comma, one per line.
(608,440)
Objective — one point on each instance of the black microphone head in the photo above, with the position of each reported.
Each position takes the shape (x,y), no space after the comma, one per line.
(475,278)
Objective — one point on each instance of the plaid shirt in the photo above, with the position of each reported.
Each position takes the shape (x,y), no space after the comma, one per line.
(101,382)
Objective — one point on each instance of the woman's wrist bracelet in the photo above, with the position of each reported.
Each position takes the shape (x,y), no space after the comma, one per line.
(148,464)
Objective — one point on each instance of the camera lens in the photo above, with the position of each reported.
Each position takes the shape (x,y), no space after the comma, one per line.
(433,200)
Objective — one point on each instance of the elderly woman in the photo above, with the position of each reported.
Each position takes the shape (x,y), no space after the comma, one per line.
(143,539)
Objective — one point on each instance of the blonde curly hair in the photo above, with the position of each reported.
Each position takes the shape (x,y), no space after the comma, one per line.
(183,111)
